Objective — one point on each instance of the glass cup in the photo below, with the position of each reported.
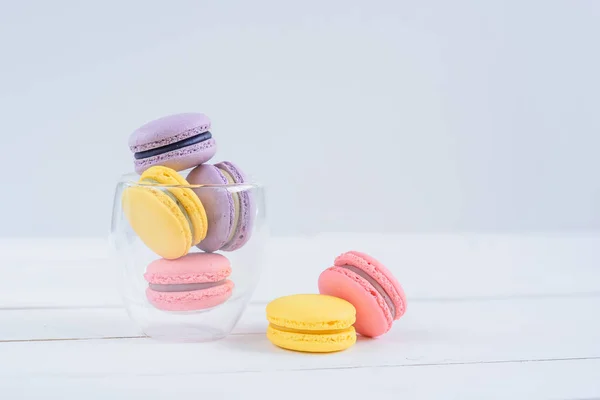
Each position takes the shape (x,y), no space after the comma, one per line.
(132,257)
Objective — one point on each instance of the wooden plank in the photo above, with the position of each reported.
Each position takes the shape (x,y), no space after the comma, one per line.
(447,266)
(525,380)
(77,273)
(50,324)
(90,323)
(431,333)
(73,283)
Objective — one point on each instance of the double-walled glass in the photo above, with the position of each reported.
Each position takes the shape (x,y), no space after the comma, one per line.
(132,257)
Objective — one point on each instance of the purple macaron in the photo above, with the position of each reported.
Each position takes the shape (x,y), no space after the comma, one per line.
(230,212)
(179,141)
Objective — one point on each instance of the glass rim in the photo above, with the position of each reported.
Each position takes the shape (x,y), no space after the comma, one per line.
(132,180)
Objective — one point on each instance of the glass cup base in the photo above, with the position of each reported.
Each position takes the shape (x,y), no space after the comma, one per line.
(188,326)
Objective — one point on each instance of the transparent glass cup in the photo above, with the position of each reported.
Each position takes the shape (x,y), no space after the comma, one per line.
(132,256)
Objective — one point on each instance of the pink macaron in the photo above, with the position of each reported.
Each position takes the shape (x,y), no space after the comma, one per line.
(196,281)
(368,285)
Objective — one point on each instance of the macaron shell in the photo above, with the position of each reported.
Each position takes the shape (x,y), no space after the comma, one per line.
(192,300)
(313,343)
(218,203)
(192,268)
(314,312)
(243,230)
(180,159)
(188,199)
(163,175)
(157,221)
(167,130)
(373,316)
(380,273)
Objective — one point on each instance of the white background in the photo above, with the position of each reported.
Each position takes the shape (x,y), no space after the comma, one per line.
(385,116)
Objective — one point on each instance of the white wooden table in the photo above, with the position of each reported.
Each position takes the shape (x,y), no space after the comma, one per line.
(489,316)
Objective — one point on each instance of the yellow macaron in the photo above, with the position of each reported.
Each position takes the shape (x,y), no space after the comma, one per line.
(312,323)
(169,220)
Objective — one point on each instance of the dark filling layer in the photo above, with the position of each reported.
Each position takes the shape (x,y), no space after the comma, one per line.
(173,146)
(375,284)
(184,287)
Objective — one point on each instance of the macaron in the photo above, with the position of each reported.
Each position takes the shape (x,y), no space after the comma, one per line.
(230,211)
(372,289)
(311,323)
(178,141)
(169,220)
(197,281)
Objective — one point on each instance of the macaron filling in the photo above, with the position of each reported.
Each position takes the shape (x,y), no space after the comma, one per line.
(201,137)
(375,284)
(184,287)
(236,205)
(308,332)
(177,202)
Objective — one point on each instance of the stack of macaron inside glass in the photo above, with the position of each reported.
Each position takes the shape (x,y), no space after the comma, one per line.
(173,214)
